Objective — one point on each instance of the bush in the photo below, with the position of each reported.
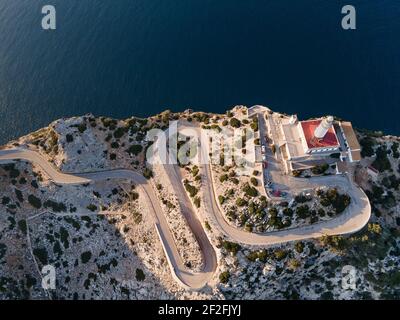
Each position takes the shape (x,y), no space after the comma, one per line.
(303,211)
(231,247)
(34,201)
(250,191)
(147,173)
(92,207)
(381,163)
(254,181)
(41,254)
(367,145)
(85,256)
(140,276)
(137,217)
(260,255)
(301,198)
(335,242)
(280,254)
(224,277)
(195,171)
(119,132)
(135,149)
(235,123)
(254,125)
(69,138)
(191,189)
(19,195)
(223,178)
(395,150)
(82,127)
(196,202)
(22,226)
(221,199)
(288,212)
(299,247)
(114,145)
(14,173)
(241,202)
(55,206)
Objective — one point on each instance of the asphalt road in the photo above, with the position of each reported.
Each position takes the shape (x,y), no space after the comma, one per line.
(355,217)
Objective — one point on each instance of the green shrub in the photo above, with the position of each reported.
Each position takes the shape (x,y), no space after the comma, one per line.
(191,189)
(137,217)
(114,145)
(19,195)
(367,145)
(280,254)
(299,247)
(196,202)
(82,127)
(55,206)
(224,277)
(140,276)
(41,254)
(119,132)
(241,202)
(69,138)
(147,173)
(135,149)
(235,123)
(381,163)
(288,212)
(92,207)
(303,211)
(85,256)
(34,201)
(22,226)
(254,181)
(250,191)
(231,247)
(254,125)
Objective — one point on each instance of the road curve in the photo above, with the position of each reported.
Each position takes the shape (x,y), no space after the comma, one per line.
(355,217)
(186,278)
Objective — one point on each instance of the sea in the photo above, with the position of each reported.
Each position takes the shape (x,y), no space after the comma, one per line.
(122,58)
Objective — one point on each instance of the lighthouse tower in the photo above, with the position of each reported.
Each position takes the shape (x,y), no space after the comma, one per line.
(323,128)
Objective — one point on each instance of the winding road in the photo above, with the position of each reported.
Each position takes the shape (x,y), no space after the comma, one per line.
(355,217)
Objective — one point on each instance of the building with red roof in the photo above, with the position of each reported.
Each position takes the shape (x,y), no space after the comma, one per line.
(328,142)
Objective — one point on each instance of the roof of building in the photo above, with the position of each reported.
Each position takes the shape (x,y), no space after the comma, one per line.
(292,140)
(329,140)
(356,155)
(350,135)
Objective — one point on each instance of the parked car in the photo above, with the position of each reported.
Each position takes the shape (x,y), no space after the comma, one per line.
(263,149)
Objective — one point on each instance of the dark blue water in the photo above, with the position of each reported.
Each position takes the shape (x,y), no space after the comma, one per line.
(138,57)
